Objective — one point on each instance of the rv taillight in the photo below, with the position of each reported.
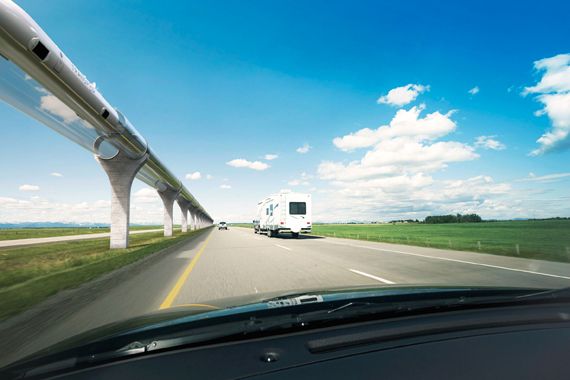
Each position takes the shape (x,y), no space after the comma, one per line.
(281,222)
(308,222)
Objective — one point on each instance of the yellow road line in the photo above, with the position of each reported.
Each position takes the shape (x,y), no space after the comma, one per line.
(182,279)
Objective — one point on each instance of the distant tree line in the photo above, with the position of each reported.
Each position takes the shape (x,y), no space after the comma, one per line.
(554,218)
(458,218)
(404,221)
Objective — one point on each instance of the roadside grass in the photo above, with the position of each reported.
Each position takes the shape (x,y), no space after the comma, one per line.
(540,239)
(246,225)
(27,233)
(29,275)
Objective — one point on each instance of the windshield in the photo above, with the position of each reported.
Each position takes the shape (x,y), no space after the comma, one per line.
(297,208)
(239,153)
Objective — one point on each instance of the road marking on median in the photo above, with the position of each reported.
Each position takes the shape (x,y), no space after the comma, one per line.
(282,246)
(182,279)
(455,260)
(372,276)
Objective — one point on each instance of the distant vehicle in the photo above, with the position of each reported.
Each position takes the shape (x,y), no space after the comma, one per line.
(284,212)
(222,226)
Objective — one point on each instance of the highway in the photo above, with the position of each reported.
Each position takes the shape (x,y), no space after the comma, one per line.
(222,264)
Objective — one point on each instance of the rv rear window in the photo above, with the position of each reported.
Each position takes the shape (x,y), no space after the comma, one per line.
(297,208)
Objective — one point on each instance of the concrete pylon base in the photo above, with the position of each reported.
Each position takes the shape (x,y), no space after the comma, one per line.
(192,219)
(121,171)
(168,197)
(184,209)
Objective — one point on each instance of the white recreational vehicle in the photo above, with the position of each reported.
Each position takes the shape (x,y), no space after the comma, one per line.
(284,212)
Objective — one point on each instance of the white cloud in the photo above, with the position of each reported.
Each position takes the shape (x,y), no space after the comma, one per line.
(556,77)
(302,180)
(295,182)
(474,90)
(146,207)
(146,195)
(545,178)
(270,157)
(56,107)
(243,163)
(209,177)
(400,96)
(393,178)
(29,188)
(329,170)
(414,197)
(406,123)
(194,176)
(43,210)
(414,156)
(304,148)
(553,91)
(404,146)
(56,174)
(489,142)
(225,186)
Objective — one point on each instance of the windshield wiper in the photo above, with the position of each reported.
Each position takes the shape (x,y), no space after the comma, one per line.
(547,295)
(292,319)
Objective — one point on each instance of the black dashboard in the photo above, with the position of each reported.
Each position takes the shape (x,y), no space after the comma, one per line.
(523,342)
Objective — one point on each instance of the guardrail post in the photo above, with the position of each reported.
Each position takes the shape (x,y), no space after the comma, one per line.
(168,196)
(121,171)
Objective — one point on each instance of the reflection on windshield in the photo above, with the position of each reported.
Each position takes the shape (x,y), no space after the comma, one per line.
(25,94)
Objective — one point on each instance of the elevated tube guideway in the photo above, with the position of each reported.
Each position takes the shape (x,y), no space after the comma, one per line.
(39,80)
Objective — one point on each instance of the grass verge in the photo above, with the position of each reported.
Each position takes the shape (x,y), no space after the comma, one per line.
(540,239)
(246,225)
(28,233)
(31,274)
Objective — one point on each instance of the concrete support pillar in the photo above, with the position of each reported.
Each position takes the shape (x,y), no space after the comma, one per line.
(121,171)
(168,197)
(184,209)
(193,219)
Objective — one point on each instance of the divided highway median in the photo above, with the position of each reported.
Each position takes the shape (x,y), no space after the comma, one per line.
(33,273)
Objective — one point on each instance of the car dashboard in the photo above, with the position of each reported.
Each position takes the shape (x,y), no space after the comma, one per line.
(520,342)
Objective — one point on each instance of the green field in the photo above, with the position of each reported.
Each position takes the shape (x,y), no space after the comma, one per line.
(540,239)
(246,225)
(26,233)
(31,274)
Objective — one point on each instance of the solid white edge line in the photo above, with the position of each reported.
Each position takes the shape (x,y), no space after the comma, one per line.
(281,246)
(454,260)
(469,262)
(372,276)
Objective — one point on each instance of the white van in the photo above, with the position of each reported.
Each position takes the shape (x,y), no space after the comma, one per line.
(284,212)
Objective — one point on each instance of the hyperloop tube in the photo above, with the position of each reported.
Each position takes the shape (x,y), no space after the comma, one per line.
(23,42)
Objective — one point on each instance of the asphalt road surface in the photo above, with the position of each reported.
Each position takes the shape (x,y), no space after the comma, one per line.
(237,262)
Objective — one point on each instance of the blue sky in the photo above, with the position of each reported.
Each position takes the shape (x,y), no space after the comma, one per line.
(211,82)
